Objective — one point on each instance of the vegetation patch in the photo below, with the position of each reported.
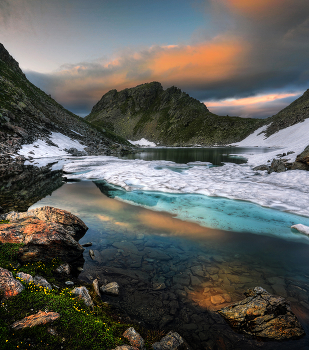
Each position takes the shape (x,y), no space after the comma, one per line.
(78,327)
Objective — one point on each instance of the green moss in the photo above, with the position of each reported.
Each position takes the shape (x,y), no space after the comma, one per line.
(4,222)
(78,327)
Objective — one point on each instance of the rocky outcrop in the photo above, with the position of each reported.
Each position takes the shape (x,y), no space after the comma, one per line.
(169,117)
(302,160)
(43,238)
(35,320)
(9,286)
(263,315)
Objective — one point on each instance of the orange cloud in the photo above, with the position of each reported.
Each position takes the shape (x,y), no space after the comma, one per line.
(249,100)
(203,63)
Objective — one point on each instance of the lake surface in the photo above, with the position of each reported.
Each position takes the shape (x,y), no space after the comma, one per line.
(169,270)
(216,156)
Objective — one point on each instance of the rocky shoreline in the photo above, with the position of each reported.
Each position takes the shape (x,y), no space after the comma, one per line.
(57,236)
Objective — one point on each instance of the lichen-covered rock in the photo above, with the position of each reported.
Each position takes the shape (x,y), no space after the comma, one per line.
(25,277)
(134,338)
(43,239)
(73,225)
(82,292)
(172,341)
(110,288)
(34,320)
(9,286)
(264,315)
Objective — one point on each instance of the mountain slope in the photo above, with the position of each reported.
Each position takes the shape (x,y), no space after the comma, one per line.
(294,113)
(27,114)
(166,116)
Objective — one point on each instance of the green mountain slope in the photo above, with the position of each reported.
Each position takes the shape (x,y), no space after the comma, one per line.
(27,114)
(166,116)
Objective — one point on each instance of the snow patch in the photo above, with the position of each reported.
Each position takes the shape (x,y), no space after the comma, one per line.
(293,138)
(301,228)
(143,143)
(41,149)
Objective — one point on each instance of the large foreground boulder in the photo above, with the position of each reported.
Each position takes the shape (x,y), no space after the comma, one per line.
(73,225)
(263,315)
(45,232)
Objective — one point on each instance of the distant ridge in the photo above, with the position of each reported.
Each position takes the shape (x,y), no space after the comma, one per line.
(294,113)
(169,117)
(28,114)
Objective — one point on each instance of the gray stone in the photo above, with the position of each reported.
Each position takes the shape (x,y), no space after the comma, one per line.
(82,292)
(110,288)
(25,277)
(95,285)
(40,281)
(64,269)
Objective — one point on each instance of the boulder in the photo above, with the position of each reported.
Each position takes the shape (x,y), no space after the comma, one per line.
(64,269)
(73,225)
(40,281)
(110,288)
(172,341)
(43,238)
(96,288)
(82,292)
(277,165)
(134,338)
(9,286)
(301,228)
(34,320)
(263,315)
(302,160)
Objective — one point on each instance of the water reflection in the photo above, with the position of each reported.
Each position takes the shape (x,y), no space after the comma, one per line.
(216,156)
(22,185)
(174,274)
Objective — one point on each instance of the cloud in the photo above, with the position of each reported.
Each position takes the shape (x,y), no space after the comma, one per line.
(260,106)
(262,50)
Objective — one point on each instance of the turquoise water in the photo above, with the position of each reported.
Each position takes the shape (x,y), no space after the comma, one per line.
(215,212)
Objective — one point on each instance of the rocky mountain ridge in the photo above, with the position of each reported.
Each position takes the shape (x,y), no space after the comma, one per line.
(169,117)
(294,113)
(28,114)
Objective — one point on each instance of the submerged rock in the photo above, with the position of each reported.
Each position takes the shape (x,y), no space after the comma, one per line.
(34,320)
(263,315)
(9,286)
(172,341)
(110,288)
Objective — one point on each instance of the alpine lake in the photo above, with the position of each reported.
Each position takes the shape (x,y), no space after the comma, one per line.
(175,274)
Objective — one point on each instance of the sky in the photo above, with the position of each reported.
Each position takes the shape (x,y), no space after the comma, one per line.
(240,57)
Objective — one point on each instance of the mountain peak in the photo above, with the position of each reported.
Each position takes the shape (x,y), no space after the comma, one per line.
(9,60)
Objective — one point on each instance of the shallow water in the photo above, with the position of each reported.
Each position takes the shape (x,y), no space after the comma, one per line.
(169,270)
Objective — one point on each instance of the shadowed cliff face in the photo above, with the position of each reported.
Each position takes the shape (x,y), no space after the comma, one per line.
(294,113)
(166,116)
(28,113)
(23,185)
